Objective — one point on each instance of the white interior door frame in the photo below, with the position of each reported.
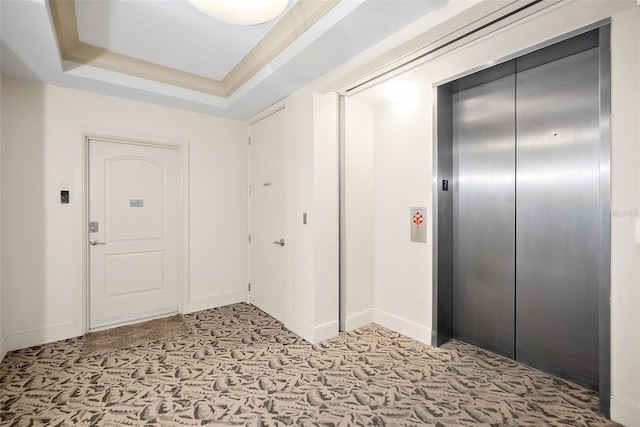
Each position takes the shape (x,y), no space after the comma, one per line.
(182,149)
(279,106)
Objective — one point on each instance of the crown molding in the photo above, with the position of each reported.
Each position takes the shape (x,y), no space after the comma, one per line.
(303,15)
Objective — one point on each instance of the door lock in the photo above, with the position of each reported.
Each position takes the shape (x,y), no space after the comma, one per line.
(279,242)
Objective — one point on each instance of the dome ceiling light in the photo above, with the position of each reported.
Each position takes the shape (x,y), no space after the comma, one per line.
(241,12)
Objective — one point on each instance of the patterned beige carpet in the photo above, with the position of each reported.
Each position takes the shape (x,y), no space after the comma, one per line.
(238,366)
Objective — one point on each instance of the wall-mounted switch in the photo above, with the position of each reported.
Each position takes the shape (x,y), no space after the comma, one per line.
(64,196)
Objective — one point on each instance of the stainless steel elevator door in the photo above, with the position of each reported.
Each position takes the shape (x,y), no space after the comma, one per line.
(484,215)
(557,221)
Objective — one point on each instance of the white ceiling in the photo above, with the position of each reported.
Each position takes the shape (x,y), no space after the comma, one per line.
(173,34)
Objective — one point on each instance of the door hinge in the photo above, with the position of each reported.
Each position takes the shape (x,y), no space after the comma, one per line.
(249,238)
(249,286)
(249,189)
(249,140)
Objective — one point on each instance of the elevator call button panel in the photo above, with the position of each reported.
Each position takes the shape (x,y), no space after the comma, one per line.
(418,227)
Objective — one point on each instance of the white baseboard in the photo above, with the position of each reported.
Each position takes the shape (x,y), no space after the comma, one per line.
(358,320)
(3,347)
(300,328)
(216,301)
(41,336)
(403,326)
(326,331)
(312,334)
(625,413)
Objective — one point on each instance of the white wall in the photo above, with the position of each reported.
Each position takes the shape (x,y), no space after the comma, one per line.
(403,170)
(359,214)
(403,180)
(625,202)
(300,306)
(3,351)
(42,245)
(387,169)
(312,309)
(325,215)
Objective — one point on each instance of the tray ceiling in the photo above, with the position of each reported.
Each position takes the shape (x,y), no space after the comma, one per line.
(158,32)
(169,53)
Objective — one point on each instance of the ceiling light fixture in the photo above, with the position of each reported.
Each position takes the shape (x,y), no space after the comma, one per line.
(241,12)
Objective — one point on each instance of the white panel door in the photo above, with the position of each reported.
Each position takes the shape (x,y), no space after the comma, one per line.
(133,198)
(267,217)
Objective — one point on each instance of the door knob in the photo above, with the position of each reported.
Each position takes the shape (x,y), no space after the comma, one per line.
(95,242)
(279,242)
